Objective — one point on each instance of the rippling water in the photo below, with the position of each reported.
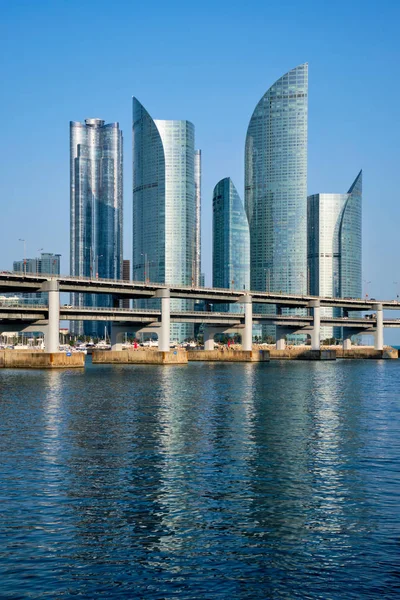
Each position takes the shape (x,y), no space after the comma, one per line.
(276,480)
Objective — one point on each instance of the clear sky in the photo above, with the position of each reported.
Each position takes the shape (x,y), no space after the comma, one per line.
(209,62)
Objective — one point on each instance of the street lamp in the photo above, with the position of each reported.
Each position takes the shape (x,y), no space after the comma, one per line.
(267,271)
(396,283)
(97,264)
(145,274)
(366,283)
(22,240)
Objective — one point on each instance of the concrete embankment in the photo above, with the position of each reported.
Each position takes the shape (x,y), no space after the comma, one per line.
(15,359)
(331,353)
(364,352)
(302,353)
(142,356)
(229,355)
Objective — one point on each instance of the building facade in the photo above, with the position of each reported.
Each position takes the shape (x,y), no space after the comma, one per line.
(46,264)
(334,248)
(231,242)
(276,186)
(96,194)
(197,241)
(164,206)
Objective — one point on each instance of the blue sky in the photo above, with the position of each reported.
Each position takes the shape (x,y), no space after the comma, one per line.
(209,62)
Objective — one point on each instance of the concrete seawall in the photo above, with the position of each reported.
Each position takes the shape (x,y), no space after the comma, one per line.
(302,353)
(149,357)
(14,359)
(363,352)
(331,353)
(229,355)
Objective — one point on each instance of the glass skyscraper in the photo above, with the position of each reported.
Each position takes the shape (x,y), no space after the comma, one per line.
(46,264)
(231,242)
(334,248)
(276,187)
(96,157)
(197,242)
(164,205)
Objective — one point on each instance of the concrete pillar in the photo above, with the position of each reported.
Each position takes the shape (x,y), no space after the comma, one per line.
(379,327)
(209,338)
(346,341)
(280,338)
(247,336)
(116,333)
(316,332)
(163,336)
(52,342)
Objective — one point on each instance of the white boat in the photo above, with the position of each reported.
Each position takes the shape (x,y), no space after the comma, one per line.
(103,345)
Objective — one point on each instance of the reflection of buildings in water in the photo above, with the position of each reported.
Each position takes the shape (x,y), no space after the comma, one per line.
(306,441)
(53,418)
(114,462)
(208,446)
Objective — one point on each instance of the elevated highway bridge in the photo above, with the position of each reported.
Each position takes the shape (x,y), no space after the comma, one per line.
(48,317)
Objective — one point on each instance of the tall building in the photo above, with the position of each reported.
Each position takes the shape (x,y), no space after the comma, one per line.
(96,209)
(276,187)
(334,248)
(197,241)
(46,264)
(231,241)
(164,205)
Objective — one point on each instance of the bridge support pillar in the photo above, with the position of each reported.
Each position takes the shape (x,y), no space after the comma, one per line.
(280,339)
(379,327)
(316,331)
(209,338)
(346,342)
(163,337)
(247,335)
(116,339)
(52,343)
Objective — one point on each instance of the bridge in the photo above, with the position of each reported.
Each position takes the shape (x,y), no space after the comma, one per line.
(47,318)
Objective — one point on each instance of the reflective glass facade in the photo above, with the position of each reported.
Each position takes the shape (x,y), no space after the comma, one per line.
(231,242)
(164,205)
(276,186)
(197,242)
(96,157)
(334,248)
(47,264)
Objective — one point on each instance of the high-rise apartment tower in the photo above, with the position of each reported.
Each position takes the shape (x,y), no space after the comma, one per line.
(96,209)
(231,241)
(164,205)
(276,186)
(334,248)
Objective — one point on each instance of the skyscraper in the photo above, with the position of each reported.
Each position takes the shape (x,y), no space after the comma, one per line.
(276,186)
(197,241)
(164,205)
(231,241)
(96,208)
(334,248)
(46,264)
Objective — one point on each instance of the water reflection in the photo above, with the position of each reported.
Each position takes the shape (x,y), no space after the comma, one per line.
(206,446)
(206,481)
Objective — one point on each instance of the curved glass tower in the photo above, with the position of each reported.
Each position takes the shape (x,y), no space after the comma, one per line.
(96,209)
(276,186)
(164,205)
(231,241)
(334,248)
(197,187)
